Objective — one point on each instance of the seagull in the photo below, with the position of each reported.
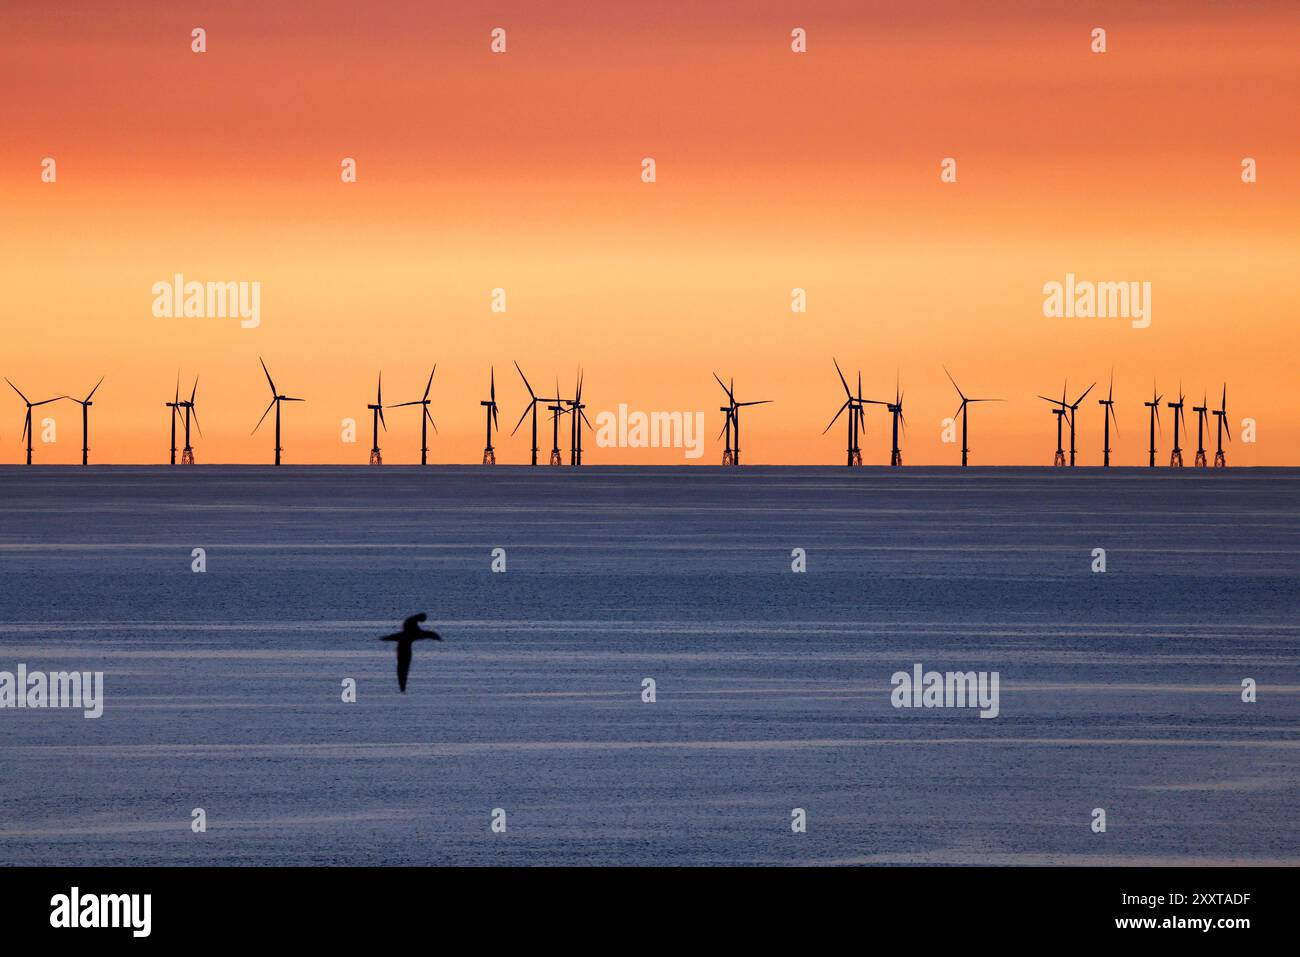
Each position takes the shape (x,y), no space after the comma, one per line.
(411,631)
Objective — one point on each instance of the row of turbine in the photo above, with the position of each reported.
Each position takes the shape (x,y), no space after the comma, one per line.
(186,410)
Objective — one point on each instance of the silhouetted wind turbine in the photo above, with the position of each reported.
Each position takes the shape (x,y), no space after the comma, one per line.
(853,451)
(1154,406)
(27,421)
(964,409)
(187,454)
(426,419)
(377,417)
(1201,412)
(1221,413)
(1176,456)
(896,410)
(533,401)
(1074,408)
(576,408)
(732,455)
(85,420)
(489,455)
(1109,403)
(276,399)
(1060,412)
(175,405)
(556,410)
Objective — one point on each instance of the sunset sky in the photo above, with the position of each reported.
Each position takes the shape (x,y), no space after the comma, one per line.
(522,171)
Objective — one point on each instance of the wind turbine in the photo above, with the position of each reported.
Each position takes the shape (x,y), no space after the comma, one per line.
(85,420)
(1154,406)
(187,454)
(27,422)
(856,406)
(426,419)
(376,417)
(276,399)
(964,409)
(175,405)
(1060,412)
(490,456)
(533,401)
(1176,456)
(576,407)
(1074,408)
(557,410)
(1221,413)
(1109,403)
(896,410)
(732,455)
(1201,413)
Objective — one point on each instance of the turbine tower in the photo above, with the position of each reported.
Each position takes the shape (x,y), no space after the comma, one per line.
(27,421)
(376,417)
(1221,413)
(732,454)
(187,454)
(1176,456)
(1109,403)
(276,399)
(1201,411)
(964,410)
(85,404)
(426,419)
(1074,408)
(490,411)
(1154,406)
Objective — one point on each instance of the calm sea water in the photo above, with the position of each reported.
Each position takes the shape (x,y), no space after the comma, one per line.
(223,689)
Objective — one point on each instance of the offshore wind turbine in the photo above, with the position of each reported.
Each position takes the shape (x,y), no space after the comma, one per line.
(1176,456)
(1109,403)
(187,454)
(556,411)
(576,407)
(1074,408)
(1154,406)
(490,410)
(533,401)
(426,419)
(1060,412)
(896,411)
(964,410)
(1201,411)
(276,399)
(1221,413)
(175,406)
(27,421)
(377,416)
(856,406)
(85,404)
(732,454)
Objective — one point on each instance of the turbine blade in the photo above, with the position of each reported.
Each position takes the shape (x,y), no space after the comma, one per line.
(531,395)
(16,389)
(1081,398)
(841,375)
(429,415)
(429,384)
(193,391)
(195,412)
(101,382)
(269,380)
(954,383)
(528,408)
(259,421)
(837,415)
(381,418)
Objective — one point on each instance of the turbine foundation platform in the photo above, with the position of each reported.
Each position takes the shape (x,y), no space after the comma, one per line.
(187,457)
(375,457)
(1058,461)
(1200,459)
(489,457)
(1220,461)
(1176,459)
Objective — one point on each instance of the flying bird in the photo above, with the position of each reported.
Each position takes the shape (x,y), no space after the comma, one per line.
(411,632)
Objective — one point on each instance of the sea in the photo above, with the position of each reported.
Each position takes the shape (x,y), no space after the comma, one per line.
(652,666)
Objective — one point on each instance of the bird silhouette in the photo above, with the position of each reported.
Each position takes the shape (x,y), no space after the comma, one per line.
(411,631)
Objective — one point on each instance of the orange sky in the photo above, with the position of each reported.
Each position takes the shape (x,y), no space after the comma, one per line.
(522,171)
